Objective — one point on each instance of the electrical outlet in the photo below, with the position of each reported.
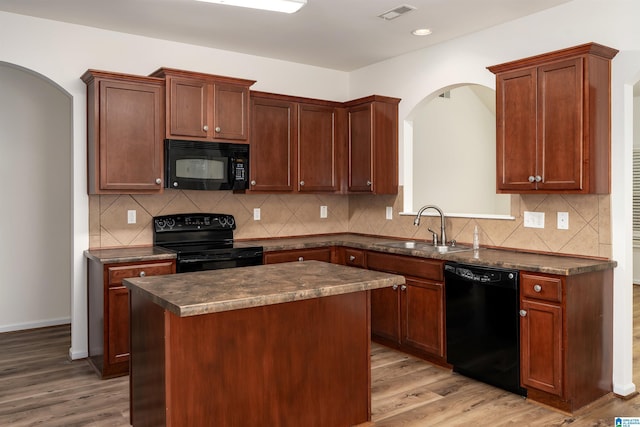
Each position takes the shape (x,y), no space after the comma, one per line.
(323,211)
(563,220)
(389,212)
(131,216)
(256,214)
(534,219)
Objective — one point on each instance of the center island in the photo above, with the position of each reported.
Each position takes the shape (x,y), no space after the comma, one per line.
(271,345)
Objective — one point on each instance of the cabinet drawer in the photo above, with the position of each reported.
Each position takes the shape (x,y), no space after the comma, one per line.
(408,266)
(117,273)
(354,258)
(541,287)
(315,254)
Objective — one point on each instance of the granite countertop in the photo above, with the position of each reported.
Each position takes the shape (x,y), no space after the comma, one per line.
(116,255)
(540,263)
(190,294)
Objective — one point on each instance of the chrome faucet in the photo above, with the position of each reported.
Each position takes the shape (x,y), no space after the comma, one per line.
(443,235)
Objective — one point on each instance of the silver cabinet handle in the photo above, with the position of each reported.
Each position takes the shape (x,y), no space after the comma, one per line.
(142,274)
(523,313)
(538,178)
(205,128)
(253,182)
(403,287)
(301,258)
(217,129)
(531,178)
(394,287)
(537,288)
(352,258)
(302,183)
(158,181)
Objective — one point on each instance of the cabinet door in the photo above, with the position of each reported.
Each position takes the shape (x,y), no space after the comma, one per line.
(423,316)
(560,125)
(188,108)
(273,134)
(231,111)
(385,314)
(541,346)
(130,137)
(516,130)
(317,169)
(118,327)
(360,148)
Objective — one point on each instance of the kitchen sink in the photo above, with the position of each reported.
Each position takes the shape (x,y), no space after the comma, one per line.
(426,247)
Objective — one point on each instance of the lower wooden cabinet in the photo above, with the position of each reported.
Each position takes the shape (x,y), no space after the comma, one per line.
(314,254)
(108,312)
(410,317)
(566,337)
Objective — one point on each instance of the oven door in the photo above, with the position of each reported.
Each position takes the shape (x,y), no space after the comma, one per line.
(201,262)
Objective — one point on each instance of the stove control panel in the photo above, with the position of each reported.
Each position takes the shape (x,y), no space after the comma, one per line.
(195,221)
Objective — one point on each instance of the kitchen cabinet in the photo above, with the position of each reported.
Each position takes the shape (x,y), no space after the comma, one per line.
(372,129)
(553,116)
(312,254)
(566,337)
(410,317)
(125,131)
(108,312)
(296,144)
(206,107)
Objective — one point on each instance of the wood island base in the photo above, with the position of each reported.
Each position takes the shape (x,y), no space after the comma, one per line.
(301,363)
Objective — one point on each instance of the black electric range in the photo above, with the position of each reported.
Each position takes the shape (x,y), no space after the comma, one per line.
(203,241)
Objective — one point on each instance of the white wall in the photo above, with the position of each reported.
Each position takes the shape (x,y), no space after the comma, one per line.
(464,60)
(63,52)
(35,191)
(636,146)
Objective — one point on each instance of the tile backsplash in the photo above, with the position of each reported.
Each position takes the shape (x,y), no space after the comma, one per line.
(283,215)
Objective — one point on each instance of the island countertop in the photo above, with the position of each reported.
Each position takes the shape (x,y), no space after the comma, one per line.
(203,292)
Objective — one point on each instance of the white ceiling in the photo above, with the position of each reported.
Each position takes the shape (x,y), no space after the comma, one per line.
(338,34)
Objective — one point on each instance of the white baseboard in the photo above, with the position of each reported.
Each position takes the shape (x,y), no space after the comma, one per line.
(624,389)
(75,355)
(34,325)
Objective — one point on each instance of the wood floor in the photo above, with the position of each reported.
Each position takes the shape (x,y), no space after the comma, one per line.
(39,386)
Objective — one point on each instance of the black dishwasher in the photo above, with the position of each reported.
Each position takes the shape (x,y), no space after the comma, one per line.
(483,324)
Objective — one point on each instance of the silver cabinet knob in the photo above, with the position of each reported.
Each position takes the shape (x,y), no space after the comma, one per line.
(217,129)
(523,313)
(158,181)
(142,274)
(301,258)
(394,287)
(175,183)
(352,258)
(403,287)
(253,182)
(531,178)
(205,128)
(369,183)
(538,178)
(537,288)
(302,183)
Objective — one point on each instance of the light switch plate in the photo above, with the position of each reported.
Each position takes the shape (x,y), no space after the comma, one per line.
(563,220)
(389,212)
(131,216)
(256,214)
(534,219)
(323,211)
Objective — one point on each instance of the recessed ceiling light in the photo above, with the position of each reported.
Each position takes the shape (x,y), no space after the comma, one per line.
(421,32)
(286,6)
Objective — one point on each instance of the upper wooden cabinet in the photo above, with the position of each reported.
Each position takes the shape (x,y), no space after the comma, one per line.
(372,124)
(206,107)
(295,144)
(553,115)
(125,131)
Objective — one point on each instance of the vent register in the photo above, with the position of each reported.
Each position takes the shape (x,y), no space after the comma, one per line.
(396,12)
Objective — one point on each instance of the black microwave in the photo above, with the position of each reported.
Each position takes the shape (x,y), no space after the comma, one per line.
(196,165)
